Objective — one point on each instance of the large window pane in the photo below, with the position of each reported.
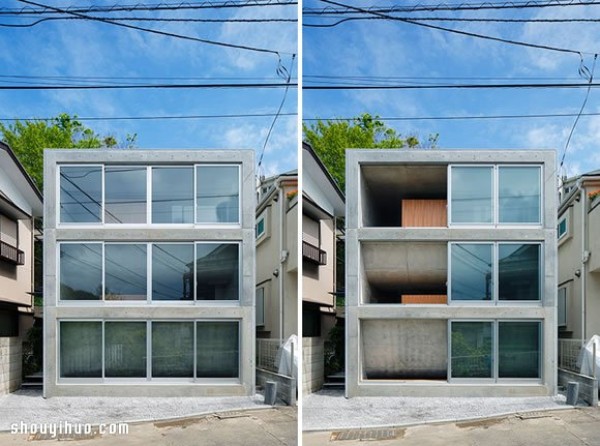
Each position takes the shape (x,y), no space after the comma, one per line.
(173,349)
(519,271)
(125,194)
(471,350)
(471,271)
(519,349)
(217,271)
(217,349)
(80,271)
(217,194)
(173,195)
(80,349)
(172,271)
(80,194)
(471,199)
(519,194)
(125,271)
(125,349)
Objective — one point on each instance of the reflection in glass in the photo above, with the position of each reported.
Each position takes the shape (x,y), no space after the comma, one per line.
(125,194)
(519,194)
(519,271)
(80,349)
(125,349)
(471,271)
(471,199)
(125,271)
(80,194)
(173,349)
(217,271)
(519,349)
(172,195)
(471,349)
(217,194)
(80,271)
(218,349)
(172,271)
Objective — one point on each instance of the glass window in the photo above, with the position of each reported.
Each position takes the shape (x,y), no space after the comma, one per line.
(125,349)
(217,271)
(81,349)
(80,194)
(471,199)
(471,271)
(172,271)
(519,271)
(217,194)
(471,350)
(125,271)
(260,306)
(218,351)
(173,349)
(172,195)
(80,271)
(562,307)
(519,349)
(124,194)
(519,194)
(562,228)
(260,227)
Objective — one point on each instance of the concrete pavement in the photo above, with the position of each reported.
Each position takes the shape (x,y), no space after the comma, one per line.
(569,427)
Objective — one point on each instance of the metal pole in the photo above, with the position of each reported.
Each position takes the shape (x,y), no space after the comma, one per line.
(594,362)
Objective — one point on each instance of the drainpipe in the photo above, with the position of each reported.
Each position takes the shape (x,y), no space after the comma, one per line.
(281,259)
(583,262)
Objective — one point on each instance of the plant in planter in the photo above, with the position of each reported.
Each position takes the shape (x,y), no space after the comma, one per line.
(593,194)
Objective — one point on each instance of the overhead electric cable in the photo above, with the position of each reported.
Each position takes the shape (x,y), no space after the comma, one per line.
(447,86)
(150,19)
(146,86)
(162,33)
(462,118)
(158,117)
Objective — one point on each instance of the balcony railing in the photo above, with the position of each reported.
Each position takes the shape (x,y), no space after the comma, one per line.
(314,254)
(11,254)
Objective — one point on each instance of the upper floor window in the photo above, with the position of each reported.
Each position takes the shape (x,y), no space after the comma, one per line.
(118,194)
(563,227)
(486,195)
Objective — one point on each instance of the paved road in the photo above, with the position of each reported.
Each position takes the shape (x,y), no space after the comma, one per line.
(572,427)
(266,427)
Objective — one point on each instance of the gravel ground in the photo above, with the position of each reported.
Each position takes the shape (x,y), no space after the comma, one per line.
(29,406)
(328,409)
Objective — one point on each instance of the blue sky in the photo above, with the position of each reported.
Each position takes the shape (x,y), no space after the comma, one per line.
(91,49)
(385,48)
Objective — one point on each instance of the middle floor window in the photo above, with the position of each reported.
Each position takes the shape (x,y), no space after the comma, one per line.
(123,271)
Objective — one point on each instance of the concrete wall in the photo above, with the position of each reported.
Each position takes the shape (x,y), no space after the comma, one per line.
(313,364)
(286,386)
(243,311)
(588,387)
(357,234)
(11,357)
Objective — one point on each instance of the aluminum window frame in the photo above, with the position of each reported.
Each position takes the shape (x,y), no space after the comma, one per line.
(565,297)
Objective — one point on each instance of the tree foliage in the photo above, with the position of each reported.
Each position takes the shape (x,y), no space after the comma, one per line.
(28,139)
(330,139)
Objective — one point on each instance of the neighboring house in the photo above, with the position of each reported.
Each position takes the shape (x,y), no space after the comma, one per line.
(450,273)
(20,203)
(149,272)
(579,257)
(277,257)
(322,204)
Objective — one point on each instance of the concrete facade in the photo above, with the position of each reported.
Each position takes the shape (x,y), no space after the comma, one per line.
(242,310)
(579,257)
(381,253)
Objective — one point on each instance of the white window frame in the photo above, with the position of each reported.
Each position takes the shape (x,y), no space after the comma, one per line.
(496,197)
(496,301)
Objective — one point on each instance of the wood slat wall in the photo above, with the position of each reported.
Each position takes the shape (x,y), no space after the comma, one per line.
(424,213)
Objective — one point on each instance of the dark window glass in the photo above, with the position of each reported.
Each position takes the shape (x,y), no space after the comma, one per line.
(81,349)
(173,349)
(80,271)
(125,349)
(471,274)
(125,271)
(80,194)
(471,349)
(217,271)
(218,350)
(519,350)
(519,271)
(172,271)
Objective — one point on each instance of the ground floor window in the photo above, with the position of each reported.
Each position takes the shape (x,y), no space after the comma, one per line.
(149,349)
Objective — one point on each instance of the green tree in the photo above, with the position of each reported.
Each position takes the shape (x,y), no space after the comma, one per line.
(28,139)
(329,139)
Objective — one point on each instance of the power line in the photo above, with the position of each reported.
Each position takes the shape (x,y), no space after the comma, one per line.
(150,19)
(147,86)
(154,31)
(448,86)
(157,118)
(229,4)
(462,118)
(456,31)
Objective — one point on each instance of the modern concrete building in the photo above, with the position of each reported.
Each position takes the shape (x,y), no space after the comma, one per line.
(322,204)
(579,257)
(277,257)
(149,272)
(20,203)
(450,273)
